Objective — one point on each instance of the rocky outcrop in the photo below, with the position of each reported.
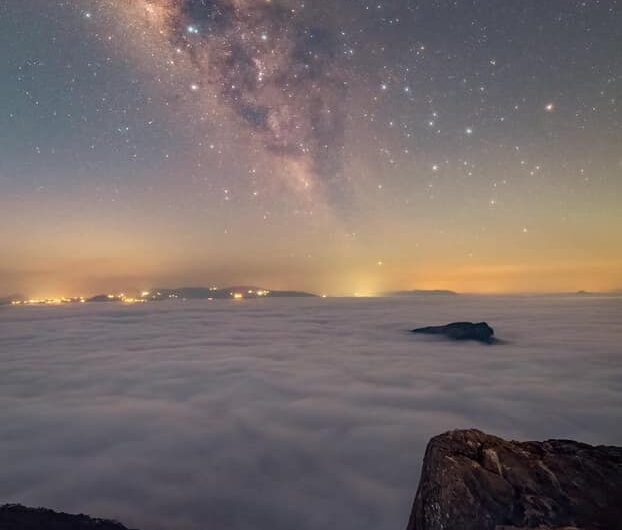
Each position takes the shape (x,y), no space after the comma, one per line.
(470,481)
(474,481)
(461,331)
(17,517)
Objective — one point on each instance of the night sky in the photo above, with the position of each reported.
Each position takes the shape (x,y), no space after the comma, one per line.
(335,146)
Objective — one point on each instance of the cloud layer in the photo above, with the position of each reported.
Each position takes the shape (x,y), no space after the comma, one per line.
(281,414)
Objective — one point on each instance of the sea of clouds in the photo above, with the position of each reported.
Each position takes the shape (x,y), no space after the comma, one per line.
(284,414)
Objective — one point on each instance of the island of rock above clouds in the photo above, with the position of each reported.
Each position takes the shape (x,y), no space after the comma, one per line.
(470,481)
(474,481)
(481,331)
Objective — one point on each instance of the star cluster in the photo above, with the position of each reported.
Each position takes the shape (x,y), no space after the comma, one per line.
(275,71)
(266,67)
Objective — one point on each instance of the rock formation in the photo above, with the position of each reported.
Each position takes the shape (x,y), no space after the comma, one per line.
(17,517)
(474,481)
(470,481)
(461,331)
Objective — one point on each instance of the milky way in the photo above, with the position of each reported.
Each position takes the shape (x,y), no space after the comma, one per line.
(278,73)
(331,146)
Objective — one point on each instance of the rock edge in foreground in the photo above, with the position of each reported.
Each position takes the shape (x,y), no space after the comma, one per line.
(470,481)
(18,517)
(474,481)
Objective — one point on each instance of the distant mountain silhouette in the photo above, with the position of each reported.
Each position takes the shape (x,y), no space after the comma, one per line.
(6,300)
(103,298)
(419,292)
(598,293)
(205,293)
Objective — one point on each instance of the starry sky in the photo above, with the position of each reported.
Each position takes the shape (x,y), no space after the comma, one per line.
(338,147)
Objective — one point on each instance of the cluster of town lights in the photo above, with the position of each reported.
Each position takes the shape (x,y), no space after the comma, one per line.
(49,301)
(77,299)
(241,296)
(145,296)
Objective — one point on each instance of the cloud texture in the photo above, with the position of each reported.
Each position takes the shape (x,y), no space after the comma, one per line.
(282,414)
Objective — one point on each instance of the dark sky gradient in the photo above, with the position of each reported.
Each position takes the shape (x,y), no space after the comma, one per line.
(338,147)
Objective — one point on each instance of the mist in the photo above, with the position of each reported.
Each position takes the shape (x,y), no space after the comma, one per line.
(281,414)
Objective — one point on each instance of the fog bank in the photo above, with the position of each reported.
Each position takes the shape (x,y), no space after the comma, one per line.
(283,414)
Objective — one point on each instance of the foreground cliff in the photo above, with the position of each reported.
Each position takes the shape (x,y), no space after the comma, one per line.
(474,481)
(470,481)
(16,517)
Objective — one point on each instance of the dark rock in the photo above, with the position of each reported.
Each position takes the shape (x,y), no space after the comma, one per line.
(17,517)
(461,331)
(474,481)
(103,298)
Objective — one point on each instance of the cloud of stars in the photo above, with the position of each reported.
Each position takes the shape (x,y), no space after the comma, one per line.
(276,72)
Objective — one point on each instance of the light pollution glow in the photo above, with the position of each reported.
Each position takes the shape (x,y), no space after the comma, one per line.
(156,143)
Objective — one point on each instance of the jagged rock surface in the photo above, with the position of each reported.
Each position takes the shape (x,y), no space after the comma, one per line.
(17,517)
(474,481)
(480,331)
